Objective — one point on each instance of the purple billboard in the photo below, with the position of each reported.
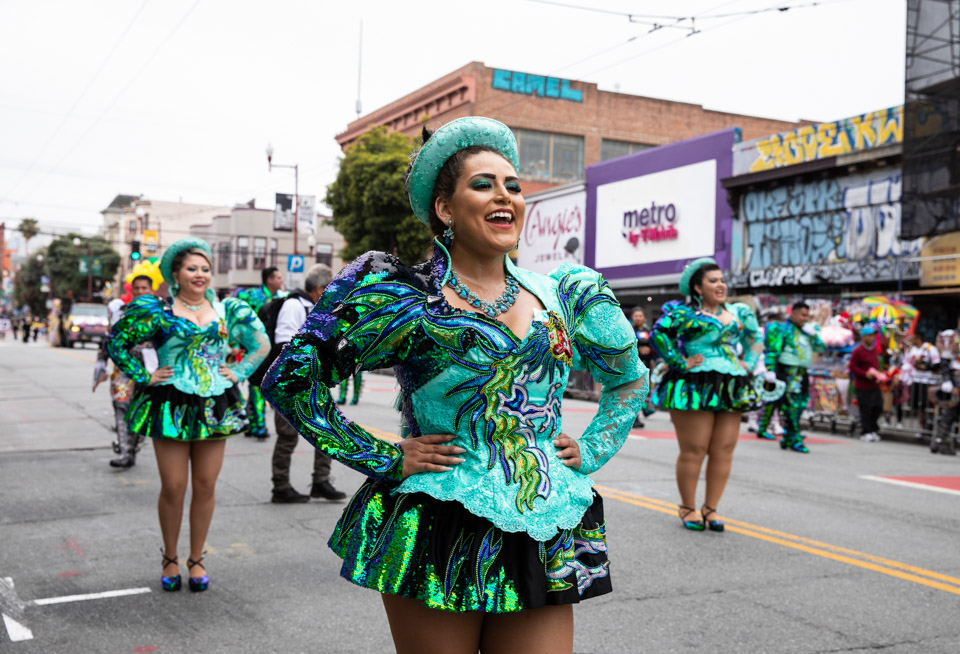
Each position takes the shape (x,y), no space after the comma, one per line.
(650,213)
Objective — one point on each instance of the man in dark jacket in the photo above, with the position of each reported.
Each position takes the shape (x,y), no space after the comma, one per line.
(865,367)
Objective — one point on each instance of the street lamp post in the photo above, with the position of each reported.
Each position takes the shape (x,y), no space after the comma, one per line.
(76,243)
(296,190)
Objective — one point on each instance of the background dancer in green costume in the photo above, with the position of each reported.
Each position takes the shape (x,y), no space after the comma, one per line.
(789,352)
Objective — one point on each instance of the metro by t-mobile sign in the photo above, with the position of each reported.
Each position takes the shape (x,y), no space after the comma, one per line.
(653,224)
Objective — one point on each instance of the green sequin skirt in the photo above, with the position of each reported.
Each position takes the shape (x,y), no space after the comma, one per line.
(422,548)
(165,412)
(705,391)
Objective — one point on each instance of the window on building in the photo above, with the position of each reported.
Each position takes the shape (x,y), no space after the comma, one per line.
(274,248)
(610,149)
(325,253)
(223,263)
(546,157)
(259,252)
(133,227)
(243,250)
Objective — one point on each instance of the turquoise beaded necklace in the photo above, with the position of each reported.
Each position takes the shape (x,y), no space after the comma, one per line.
(493,309)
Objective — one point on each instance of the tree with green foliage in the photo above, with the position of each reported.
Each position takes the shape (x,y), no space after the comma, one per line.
(369,203)
(28,228)
(61,263)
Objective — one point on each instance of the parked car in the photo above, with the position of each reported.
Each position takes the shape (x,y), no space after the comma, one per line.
(86,323)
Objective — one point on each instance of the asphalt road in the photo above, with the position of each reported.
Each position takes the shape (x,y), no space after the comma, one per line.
(820,554)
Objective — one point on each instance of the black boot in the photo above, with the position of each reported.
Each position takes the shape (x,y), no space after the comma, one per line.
(326,490)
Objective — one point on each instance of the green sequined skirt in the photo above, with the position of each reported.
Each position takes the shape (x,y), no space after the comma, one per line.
(419,547)
(705,391)
(165,412)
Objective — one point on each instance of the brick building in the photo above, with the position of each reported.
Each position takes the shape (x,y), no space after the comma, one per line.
(562,125)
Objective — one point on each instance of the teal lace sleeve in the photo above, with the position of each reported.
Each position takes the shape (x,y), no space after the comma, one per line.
(142,319)
(816,341)
(604,344)
(357,325)
(675,317)
(246,329)
(749,336)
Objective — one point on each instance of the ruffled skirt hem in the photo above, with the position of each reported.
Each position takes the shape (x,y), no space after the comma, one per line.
(415,546)
(168,413)
(705,391)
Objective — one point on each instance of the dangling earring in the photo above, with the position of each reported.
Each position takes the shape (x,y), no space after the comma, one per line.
(699,302)
(517,246)
(448,233)
(174,288)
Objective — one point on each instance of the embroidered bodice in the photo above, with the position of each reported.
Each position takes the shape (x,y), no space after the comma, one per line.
(682,332)
(465,374)
(195,353)
(789,345)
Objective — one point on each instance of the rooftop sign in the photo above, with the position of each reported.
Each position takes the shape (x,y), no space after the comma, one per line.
(545,87)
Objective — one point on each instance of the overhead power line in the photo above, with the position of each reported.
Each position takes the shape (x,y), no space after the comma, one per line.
(116,99)
(76,102)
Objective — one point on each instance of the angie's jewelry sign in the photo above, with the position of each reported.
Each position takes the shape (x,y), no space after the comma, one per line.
(553,230)
(662,216)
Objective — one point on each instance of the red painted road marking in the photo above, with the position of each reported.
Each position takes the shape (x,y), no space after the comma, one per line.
(70,573)
(938,483)
(73,545)
(145,649)
(669,435)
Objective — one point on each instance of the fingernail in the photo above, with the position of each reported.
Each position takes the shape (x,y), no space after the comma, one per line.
(459,460)
(446,468)
(458,449)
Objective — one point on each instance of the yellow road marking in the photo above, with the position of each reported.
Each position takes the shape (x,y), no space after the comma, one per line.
(866,561)
(871,562)
(75,355)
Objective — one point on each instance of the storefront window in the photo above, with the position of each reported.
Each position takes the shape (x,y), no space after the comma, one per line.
(325,253)
(243,250)
(567,158)
(223,265)
(610,149)
(259,253)
(547,157)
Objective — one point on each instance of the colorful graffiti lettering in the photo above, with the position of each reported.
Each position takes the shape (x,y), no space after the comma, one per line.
(796,227)
(813,142)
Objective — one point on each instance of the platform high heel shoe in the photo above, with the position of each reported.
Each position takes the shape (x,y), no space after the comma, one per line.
(712,525)
(170,583)
(692,525)
(198,584)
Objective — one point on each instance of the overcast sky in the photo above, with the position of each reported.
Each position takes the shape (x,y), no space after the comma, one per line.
(177,99)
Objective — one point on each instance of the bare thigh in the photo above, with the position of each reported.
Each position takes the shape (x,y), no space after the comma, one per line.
(694,429)
(726,433)
(419,630)
(206,458)
(173,461)
(547,630)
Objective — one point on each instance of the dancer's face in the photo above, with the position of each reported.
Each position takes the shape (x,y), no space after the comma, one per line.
(800,316)
(713,289)
(487,206)
(194,274)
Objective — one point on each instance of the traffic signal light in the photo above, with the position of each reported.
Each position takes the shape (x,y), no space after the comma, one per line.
(135,250)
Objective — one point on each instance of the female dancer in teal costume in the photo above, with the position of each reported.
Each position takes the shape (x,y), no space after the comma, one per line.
(707,384)
(481,528)
(190,404)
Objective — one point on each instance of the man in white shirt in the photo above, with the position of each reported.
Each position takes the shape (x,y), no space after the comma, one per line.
(293,314)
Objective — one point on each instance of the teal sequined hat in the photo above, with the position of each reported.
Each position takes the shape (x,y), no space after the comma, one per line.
(166,262)
(456,135)
(690,269)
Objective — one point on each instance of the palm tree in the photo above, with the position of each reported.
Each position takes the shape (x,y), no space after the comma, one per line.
(28,228)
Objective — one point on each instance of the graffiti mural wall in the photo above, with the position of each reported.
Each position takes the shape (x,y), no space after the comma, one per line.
(837,230)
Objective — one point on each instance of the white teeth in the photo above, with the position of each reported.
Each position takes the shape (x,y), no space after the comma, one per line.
(501,214)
